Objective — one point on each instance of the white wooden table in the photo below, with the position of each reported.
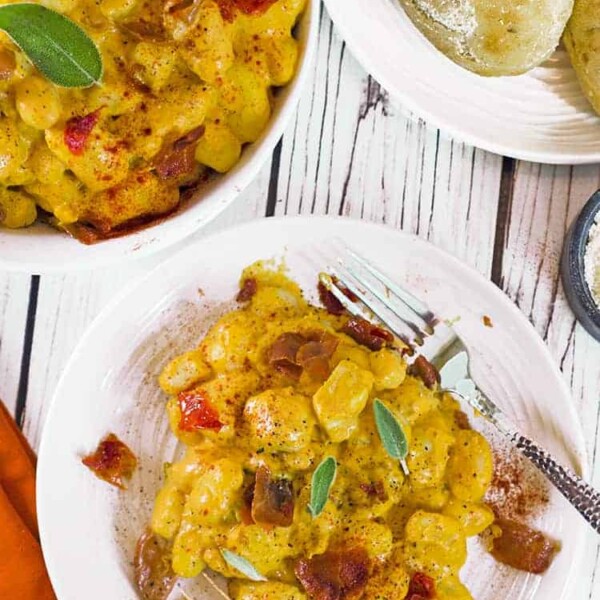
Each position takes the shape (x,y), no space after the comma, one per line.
(352,151)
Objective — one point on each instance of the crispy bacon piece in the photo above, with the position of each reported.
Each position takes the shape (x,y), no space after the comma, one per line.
(523,548)
(197,413)
(112,461)
(294,352)
(421,587)
(282,354)
(246,509)
(247,290)
(314,355)
(78,130)
(248,7)
(332,305)
(462,420)
(423,369)
(272,500)
(177,159)
(154,574)
(313,358)
(328,341)
(335,575)
(367,334)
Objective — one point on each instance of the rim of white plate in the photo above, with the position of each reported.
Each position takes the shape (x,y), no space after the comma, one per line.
(275,233)
(464,105)
(40,249)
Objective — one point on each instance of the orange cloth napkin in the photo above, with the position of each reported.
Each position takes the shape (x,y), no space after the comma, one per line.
(23,573)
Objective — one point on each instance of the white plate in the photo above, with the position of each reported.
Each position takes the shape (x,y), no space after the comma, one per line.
(40,249)
(89,529)
(542,116)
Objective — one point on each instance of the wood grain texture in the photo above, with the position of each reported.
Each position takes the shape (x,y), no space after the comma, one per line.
(353,152)
(14,292)
(544,202)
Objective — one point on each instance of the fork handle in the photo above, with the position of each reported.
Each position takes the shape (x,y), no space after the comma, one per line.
(580,494)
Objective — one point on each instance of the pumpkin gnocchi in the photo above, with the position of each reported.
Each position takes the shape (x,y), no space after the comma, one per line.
(300,388)
(186,85)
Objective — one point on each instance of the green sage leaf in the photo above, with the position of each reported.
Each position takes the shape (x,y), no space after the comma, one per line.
(322,480)
(57,46)
(391,433)
(239,563)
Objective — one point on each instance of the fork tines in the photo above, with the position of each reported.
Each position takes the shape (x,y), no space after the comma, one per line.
(377,297)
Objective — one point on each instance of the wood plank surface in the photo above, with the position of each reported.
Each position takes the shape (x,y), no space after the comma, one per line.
(544,202)
(351,151)
(14,291)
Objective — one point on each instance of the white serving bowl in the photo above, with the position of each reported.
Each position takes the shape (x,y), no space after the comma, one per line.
(41,249)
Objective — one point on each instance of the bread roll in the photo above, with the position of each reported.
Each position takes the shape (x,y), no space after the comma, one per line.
(582,40)
(492,37)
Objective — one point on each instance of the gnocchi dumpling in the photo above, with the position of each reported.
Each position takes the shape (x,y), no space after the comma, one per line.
(268,590)
(183,372)
(471,466)
(341,399)
(280,420)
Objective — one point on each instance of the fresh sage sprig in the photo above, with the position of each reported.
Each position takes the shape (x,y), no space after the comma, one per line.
(57,46)
(239,563)
(391,433)
(322,480)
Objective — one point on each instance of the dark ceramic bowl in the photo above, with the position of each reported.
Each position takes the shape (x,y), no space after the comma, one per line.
(573,268)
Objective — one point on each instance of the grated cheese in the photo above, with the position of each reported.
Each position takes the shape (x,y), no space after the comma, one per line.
(592,261)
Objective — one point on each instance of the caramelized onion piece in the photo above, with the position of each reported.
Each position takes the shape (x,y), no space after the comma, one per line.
(272,500)
(154,574)
(112,461)
(335,575)
(367,334)
(523,548)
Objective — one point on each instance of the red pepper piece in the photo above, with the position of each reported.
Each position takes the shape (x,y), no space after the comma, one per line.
(197,413)
(78,130)
(112,461)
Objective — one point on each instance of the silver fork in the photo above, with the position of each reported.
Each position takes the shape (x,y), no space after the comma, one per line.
(379,298)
